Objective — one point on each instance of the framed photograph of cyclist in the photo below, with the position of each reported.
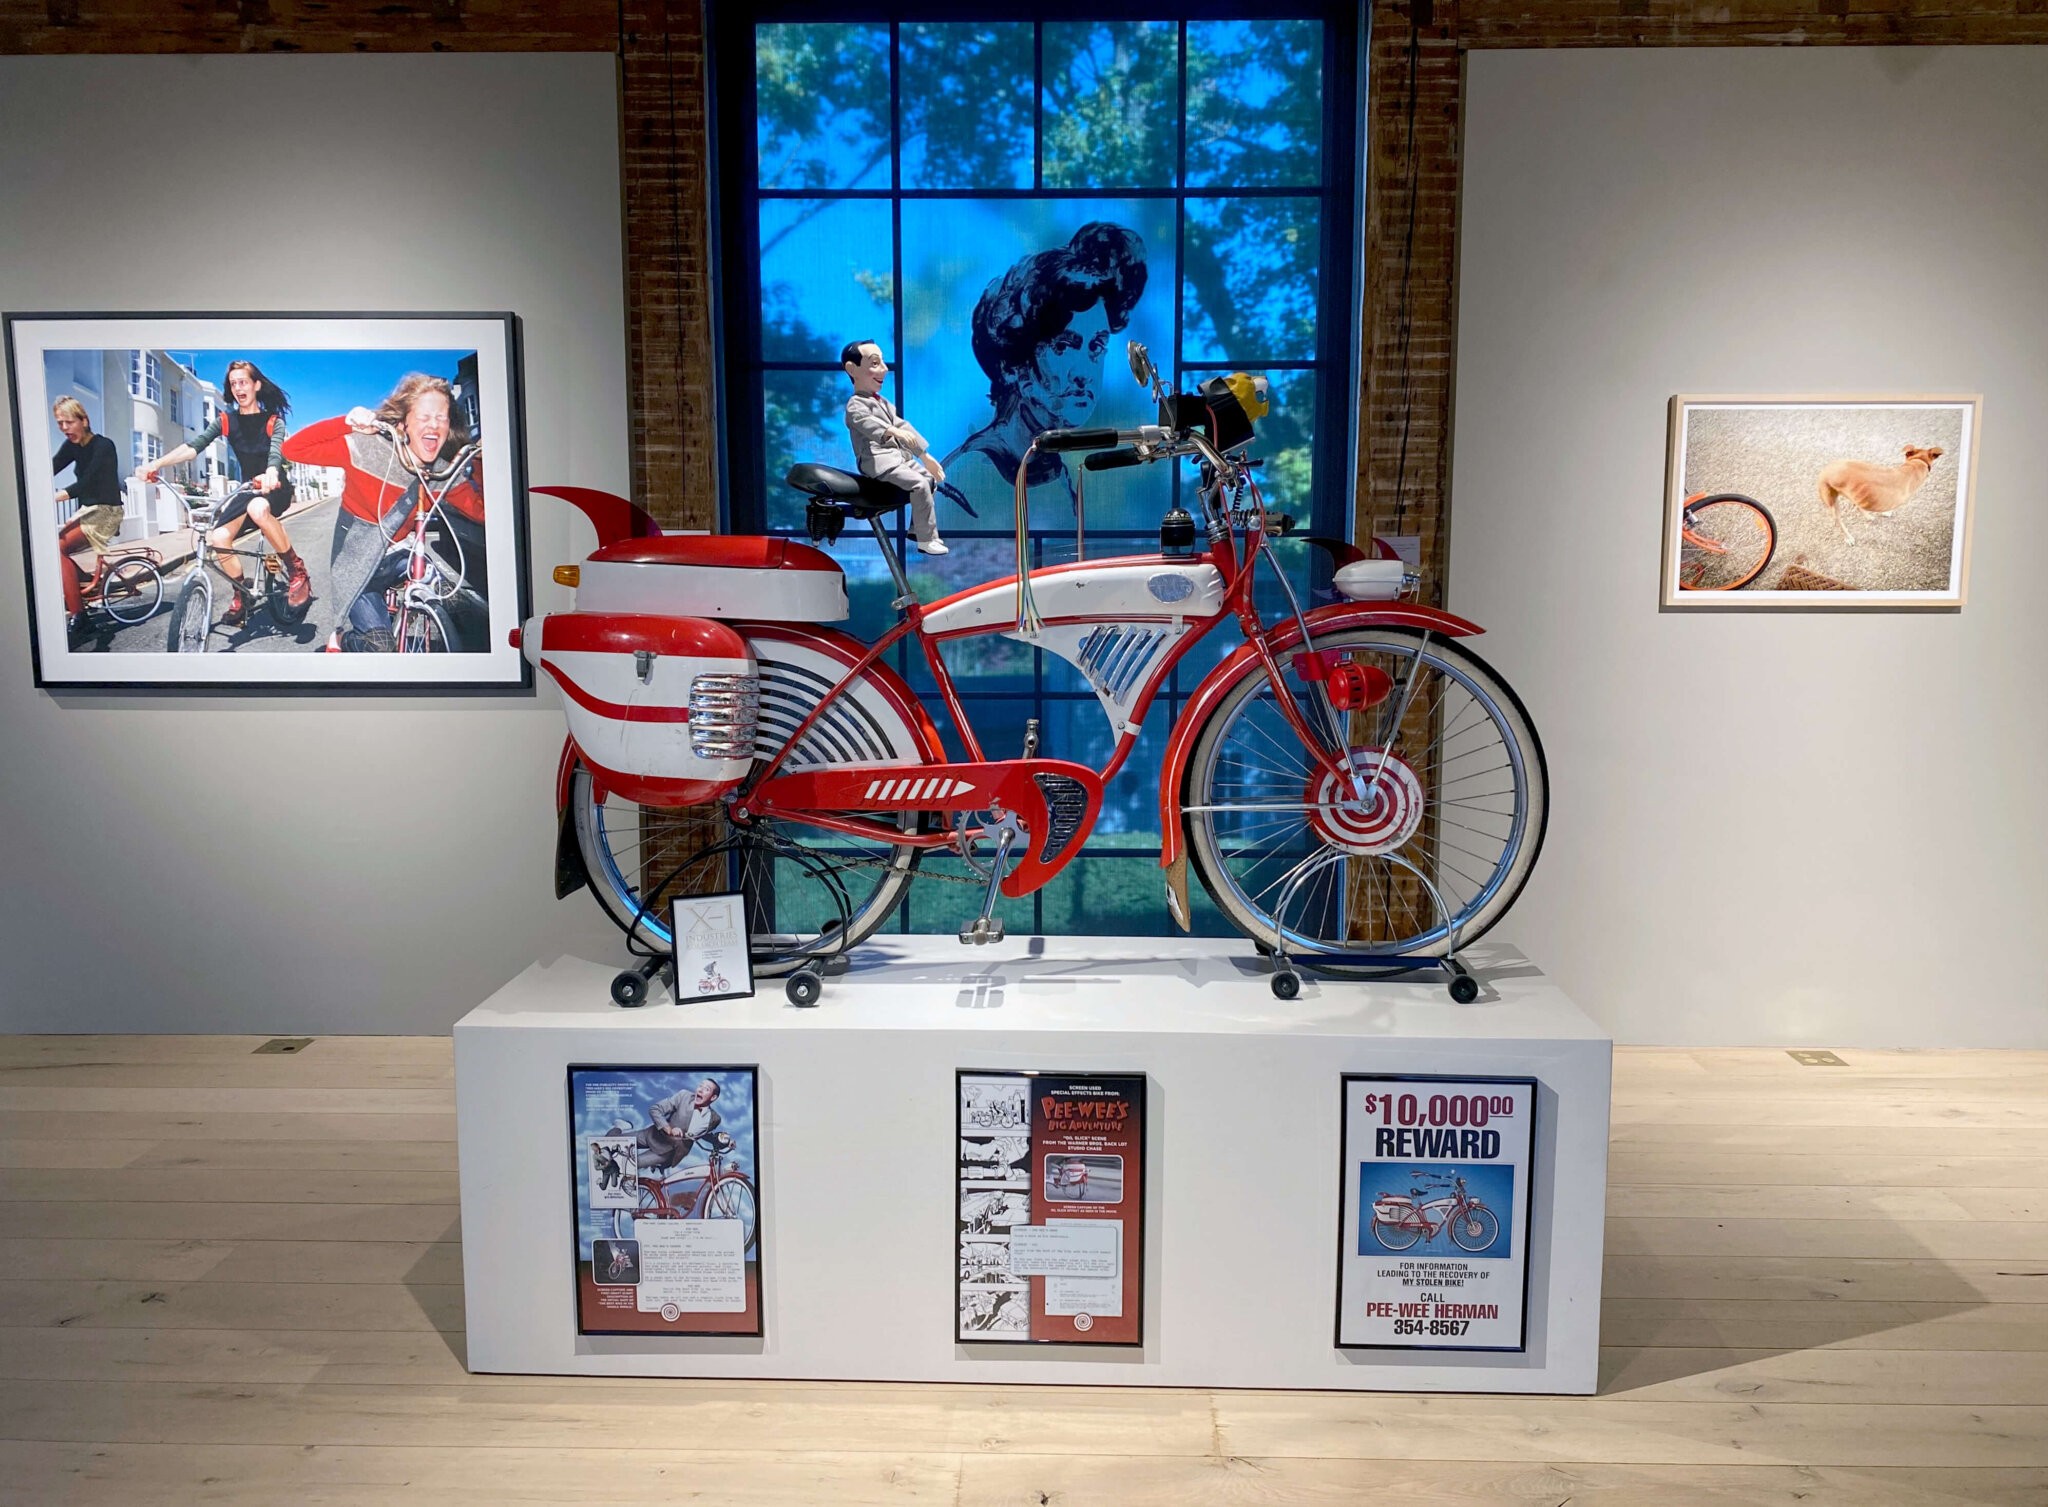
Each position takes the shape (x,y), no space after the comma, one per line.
(665,1180)
(1820,501)
(1051,1218)
(304,502)
(711,957)
(1432,1246)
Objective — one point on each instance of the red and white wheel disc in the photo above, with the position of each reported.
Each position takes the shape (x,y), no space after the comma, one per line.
(1382,827)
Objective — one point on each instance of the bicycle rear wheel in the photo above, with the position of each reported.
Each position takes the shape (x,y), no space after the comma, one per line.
(1462,799)
(132,591)
(809,893)
(1725,542)
(191,615)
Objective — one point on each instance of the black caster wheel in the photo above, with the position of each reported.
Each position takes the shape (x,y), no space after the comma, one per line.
(1464,988)
(629,989)
(1286,984)
(803,988)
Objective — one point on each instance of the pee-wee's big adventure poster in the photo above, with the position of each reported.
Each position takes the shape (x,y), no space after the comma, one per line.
(1051,1211)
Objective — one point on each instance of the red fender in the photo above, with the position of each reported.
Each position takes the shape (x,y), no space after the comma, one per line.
(614,517)
(1240,663)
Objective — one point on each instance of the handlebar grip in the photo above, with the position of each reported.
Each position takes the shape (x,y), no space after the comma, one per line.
(1110,460)
(1077,439)
(1280,523)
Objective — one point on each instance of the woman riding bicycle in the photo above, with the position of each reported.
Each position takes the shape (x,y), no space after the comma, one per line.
(254,429)
(96,488)
(414,438)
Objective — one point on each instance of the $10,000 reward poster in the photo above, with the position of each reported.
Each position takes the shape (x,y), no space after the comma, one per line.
(1434,1252)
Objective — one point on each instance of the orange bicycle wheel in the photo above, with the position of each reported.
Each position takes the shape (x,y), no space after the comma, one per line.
(1725,542)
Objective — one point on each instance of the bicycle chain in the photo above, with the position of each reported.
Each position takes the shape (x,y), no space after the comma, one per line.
(788,849)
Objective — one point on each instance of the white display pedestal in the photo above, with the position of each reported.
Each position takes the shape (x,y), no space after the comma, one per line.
(858,1150)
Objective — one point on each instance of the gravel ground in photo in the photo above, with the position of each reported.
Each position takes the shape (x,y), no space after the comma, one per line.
(1776,455)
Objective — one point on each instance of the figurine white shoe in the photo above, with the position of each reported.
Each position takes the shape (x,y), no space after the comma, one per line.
(934,546)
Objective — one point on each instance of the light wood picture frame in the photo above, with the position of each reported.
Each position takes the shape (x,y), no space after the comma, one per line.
(1819,501)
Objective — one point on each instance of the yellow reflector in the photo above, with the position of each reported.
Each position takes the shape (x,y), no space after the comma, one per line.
(568,575)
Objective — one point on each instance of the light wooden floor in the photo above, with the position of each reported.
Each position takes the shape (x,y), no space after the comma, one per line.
(232,1278)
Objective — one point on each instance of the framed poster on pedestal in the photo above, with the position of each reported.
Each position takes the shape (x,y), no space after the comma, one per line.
(1051,1217)
(1433,1243)
(665,1167)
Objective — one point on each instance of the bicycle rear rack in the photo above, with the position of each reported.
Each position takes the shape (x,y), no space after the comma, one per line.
(1286,983)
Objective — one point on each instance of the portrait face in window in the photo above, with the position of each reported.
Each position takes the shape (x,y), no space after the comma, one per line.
(1033,352)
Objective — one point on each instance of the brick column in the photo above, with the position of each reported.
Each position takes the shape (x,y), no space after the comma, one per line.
(1411,188)
(666,175)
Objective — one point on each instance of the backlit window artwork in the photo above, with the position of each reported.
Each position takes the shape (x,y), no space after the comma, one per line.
(1002,202)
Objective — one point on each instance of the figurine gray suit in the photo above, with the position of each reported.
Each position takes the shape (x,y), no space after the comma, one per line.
(886,446)
(873,424)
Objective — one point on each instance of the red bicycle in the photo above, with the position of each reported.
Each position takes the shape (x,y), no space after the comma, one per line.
(716,1188)
(1350,783)
(1398,1221)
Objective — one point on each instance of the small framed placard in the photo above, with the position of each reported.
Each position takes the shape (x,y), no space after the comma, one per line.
(711,948)
(1434,1251)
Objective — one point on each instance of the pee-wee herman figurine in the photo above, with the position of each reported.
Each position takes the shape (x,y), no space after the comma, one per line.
(887,447)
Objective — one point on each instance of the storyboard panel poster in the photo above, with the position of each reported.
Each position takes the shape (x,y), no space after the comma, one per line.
(1051,1208)
(1433,1251)
(665,1167)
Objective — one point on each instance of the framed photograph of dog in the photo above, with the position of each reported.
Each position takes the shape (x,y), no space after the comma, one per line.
(1820,501)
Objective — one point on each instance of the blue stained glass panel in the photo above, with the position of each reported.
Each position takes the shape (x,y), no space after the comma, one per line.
(1112,103)
(1249,272)
(966,104)
(821,99)
(827,277)
(1255,104)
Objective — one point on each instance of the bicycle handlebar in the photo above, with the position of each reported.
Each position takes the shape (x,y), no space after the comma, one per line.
(1078,439)
(1111,460)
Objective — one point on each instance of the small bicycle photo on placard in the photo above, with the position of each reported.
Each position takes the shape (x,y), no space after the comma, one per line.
(711,948)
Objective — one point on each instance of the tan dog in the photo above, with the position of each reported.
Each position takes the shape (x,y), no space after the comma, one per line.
(1875,489)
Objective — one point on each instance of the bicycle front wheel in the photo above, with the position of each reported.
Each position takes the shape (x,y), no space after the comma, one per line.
(132,591)
(1475,1229)
(421,629)
(1725,542)
(191,615)
(733,1198)
(1458,800)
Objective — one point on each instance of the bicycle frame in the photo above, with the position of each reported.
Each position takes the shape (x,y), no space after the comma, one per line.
(420,590)
(1235,561)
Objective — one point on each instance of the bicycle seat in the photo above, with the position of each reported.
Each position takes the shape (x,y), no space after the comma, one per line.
(861,496)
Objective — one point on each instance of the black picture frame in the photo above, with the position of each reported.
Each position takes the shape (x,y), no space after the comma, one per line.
(577,1173)
(488,666)
(1133,1249)
(1346,1192)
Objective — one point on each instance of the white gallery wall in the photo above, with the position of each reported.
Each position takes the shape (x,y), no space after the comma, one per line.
(322,864)
(1796,827)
